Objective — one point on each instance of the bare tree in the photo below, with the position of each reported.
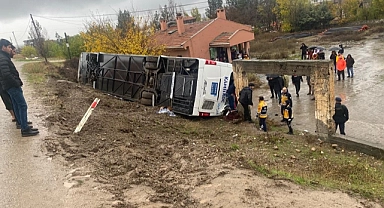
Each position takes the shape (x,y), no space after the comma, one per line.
(38,36)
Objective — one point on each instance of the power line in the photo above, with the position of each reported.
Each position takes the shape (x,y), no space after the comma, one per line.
(63,21)
(78,22)
(26,29)
(132,12)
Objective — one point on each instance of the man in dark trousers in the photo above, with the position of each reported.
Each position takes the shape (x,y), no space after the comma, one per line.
(288,116)
(4,95)
(272,82)
(341,115)
(262,114)
(285,95)
(11,83)
(246,101)
(303,49)
(297,80)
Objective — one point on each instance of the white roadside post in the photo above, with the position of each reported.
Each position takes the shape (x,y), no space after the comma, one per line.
(86,115)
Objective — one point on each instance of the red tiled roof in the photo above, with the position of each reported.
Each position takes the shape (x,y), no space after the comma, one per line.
(221,39)
(176,40)
(189,18)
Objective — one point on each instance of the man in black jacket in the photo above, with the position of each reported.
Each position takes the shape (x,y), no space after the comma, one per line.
(341,115)
(297,80)
(11,83)
(246,101)
(303,49)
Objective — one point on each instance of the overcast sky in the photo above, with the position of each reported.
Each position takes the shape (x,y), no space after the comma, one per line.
(70,15)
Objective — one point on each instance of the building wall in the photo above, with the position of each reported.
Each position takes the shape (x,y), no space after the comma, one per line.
(241,36)
(177,52)
(199,44)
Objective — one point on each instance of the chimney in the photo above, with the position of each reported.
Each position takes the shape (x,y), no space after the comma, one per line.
(221,14)
(163,25)
(180,23)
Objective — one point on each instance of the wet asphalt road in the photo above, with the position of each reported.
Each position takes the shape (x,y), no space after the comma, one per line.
(363,95)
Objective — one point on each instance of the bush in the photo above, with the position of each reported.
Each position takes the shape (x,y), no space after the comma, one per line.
(29,52)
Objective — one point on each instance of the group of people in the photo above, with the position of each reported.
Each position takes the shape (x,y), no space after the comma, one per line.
(340,64)
(311,53)
(276,84)
(11,91)
(341,115)
(285,100)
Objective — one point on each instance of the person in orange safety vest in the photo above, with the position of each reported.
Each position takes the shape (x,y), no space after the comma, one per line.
(341,64)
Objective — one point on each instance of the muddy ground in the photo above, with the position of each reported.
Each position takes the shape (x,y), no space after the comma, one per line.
(146,159)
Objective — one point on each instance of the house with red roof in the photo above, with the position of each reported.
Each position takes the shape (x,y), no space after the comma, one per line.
(217,39)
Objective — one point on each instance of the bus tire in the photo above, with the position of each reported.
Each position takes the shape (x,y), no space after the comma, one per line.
(146,95)
(150,65)
(147,102)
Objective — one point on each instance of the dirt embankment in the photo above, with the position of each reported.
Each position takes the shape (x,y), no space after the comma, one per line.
(153,160)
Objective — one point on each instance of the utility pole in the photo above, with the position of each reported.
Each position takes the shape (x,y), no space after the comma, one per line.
(67,44)
(17,45)
(40,44)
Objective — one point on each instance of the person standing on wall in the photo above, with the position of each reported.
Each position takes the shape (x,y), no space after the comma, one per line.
(262,114)
(350,62)
(303,49)
(297,80)
(245,99)
(341,115)
(11,82)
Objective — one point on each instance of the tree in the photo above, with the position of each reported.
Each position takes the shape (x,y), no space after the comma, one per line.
(155,20)
(317,16)
(76,45)
(266,17)
(196,14)
(213,5)
(377,9)
(54,49)
(102,35)
(38,35)
(124,21)
(289,13)
(29,51)
(168,12)
(243,11)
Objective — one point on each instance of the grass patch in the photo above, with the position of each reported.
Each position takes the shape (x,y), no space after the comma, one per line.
(235,147)
(38,72)
(263,48)
(317,164)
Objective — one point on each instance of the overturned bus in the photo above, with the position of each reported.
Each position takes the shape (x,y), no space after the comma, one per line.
(191,86)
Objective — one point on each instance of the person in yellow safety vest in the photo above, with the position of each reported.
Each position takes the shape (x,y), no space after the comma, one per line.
(288,115)
(262,113)
(285,95)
